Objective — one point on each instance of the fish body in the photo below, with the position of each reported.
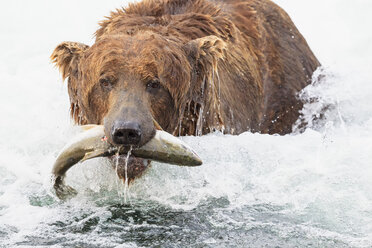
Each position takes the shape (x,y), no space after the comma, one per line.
(163,147)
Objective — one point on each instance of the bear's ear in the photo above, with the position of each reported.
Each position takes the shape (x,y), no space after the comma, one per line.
(206,50)
(66,56)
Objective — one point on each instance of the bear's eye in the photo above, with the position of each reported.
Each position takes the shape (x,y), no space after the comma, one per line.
(153,85)
(105,82)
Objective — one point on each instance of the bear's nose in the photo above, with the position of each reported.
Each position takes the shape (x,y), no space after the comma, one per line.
(126,133)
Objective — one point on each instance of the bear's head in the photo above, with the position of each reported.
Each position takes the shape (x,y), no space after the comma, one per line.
(132,84)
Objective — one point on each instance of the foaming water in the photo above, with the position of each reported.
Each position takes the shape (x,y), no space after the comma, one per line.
(309,189)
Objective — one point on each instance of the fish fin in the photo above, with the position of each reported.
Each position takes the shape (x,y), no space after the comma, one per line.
(87,127)
(156,124)
(93,154)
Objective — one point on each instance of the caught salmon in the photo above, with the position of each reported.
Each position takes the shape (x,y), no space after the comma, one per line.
(163,147)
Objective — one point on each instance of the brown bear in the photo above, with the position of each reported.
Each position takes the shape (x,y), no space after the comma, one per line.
(189,67)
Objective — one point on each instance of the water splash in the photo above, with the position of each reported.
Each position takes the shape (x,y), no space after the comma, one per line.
(219,89)
(123,194)
(199,123)
(126,179)
(180,125)
(203,86)
(117,157)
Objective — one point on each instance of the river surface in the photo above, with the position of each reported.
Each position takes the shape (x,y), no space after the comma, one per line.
(310,189)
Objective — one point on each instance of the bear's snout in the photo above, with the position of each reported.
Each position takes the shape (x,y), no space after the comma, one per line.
(126,133)
(129,123)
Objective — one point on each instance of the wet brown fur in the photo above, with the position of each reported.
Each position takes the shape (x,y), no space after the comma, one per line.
(228,65)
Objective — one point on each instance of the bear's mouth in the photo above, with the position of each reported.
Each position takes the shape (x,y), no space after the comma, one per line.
(128,168)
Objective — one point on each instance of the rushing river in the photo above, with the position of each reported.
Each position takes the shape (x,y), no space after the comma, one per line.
(312,189)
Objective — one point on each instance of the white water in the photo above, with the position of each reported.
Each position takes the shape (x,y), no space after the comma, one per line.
(310,189)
